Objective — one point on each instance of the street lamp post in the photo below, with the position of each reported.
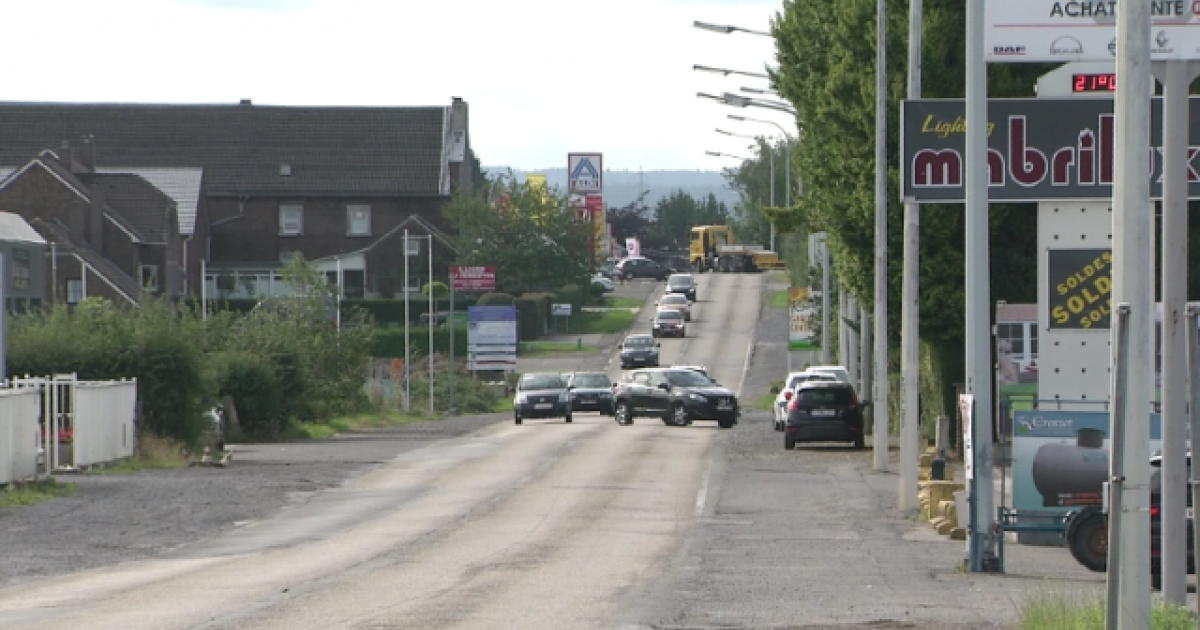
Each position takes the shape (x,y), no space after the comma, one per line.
(787,173)
(727,155)
(720,28)
(727,72)
(742,135)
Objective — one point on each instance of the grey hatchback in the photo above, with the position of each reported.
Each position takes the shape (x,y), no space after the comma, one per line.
(542,396)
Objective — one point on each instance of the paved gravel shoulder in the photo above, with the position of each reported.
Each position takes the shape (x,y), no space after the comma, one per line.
(119,517)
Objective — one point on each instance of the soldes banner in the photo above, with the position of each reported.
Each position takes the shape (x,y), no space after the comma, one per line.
(1038,149)
(1080,284)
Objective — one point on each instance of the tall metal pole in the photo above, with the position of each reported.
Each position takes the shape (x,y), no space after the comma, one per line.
(338,314)
(453,363)
(407,363)
(910,346)
(826,355)
(882,441)
(1193,362)
(203,285)
(865,360)
(772,145)
(1133,283)
(979,347)
(1176,78)
(432,325)
(843,333)
(852,342)
(1120,385)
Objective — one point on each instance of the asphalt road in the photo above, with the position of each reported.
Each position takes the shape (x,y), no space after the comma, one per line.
(478,523)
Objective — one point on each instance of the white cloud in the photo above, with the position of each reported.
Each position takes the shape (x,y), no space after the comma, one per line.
(542,77)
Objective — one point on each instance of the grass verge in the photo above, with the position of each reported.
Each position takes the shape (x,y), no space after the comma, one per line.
(778,299)
(588,322)
(374,420)
(528,348)
(767,400)
(1058,611)
(622,302)
(34,492)
(504,405)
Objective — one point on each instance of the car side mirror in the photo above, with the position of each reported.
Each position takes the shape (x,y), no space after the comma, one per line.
(774,390)
(666,387)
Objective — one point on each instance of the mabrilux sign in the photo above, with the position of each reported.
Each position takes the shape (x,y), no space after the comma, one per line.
(1038,150)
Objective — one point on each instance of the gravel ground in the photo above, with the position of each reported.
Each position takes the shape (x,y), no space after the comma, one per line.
(118,517)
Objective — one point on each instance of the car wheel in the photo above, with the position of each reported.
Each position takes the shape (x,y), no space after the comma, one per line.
(1088,542)
(622,414)
(725,424)
(568,418)
(688,317)
(789,443)
(516,419)
(860,442)
(679,415)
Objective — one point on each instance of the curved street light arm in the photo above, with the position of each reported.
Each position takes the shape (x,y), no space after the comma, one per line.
(725,29)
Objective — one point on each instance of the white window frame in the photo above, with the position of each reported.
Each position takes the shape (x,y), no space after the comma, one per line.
(288,214)
(148,286)
(414,284)
(363,225)
(74,291)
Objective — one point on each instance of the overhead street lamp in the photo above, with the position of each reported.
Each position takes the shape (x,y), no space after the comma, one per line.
(787,173)
(720,28)
(742,135)
(719,154)
(727,72)
(750,90)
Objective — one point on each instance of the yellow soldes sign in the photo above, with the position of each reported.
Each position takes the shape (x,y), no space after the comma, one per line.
(1080,288)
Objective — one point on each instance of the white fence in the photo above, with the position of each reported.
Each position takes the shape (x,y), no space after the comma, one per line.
(103,421)
(20,415)
(94,419)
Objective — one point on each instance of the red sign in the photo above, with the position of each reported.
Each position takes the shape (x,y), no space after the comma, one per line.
(594,204)
(466,278)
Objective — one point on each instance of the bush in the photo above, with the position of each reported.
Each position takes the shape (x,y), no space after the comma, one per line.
(572,294)
(533,310)
(495,299)
(390,343)
(470,395)
(382,312)
(252,382)
(439,289)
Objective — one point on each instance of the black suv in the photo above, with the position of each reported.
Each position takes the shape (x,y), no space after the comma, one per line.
(639,351)
(823,411)
(631,268)
(682,283)
(678,396)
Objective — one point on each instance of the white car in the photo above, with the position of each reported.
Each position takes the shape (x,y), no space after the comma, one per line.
(839,372)
(784,396)
(603,282)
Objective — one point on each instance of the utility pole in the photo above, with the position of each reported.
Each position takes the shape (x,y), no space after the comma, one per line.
(880,398)
(406,369)
(910,340)
(1132,276)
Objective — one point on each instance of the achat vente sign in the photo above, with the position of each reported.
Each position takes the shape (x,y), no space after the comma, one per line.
(473,278)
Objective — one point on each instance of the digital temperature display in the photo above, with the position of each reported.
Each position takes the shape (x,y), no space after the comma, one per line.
(1106,82)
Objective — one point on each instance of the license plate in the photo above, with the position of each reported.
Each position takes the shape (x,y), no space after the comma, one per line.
(724,404)
(543,406)
(640,360)
(824,412)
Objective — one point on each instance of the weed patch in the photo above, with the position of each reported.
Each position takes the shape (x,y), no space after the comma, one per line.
(31,493)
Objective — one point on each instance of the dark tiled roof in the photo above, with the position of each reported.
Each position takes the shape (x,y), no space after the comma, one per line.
(100,265)
(368,151)
(138,205)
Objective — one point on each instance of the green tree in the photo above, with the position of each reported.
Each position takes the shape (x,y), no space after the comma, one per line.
(532,238)
(675,215)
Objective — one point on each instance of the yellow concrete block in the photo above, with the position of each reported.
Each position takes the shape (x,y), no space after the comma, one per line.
(945,528)
(958,533)
(937,522)
(926,460)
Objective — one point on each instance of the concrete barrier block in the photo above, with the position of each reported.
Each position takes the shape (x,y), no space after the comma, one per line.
(926,460)
(958,533)
(945,528)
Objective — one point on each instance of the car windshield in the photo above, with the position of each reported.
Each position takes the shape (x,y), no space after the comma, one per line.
(674,299)
(669,315)
(688,378)
(805,378)
(541,381)
(681,282)
(591,380)
(639,342)
(838,396)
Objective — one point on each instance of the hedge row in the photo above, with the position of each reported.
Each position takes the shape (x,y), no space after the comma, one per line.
(389,343)
(381,311)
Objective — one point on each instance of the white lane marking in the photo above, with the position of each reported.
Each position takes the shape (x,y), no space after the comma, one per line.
(702,495)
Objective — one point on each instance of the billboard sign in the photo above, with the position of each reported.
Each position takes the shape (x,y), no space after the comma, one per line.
(492,338)
(1080,288)
(1060,458)
(472,278)
(585,173)
(1038,149)
(800,321)
(633,248)
(1055,31)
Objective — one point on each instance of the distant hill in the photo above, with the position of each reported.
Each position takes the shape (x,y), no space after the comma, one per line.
(622,187)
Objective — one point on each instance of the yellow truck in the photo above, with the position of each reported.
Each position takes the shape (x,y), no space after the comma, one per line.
(713,248)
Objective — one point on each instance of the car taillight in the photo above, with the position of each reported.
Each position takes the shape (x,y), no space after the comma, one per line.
(853,403)
(787,395)
(1153,511)
(794,405)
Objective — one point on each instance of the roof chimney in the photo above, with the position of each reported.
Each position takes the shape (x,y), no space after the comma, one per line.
(245,102)
(87,154)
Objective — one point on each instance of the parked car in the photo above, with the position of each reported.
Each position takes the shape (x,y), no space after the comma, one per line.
(542,395)
(1087,529)
(839,372)
(639,351)
(668,323)
(783,395)
(639,267)
(591,391)
(824,411)
(600,280)
(683,283)
(677,302)
(677,396)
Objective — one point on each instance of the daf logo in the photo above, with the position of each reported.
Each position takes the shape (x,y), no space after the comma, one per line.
(1066,45)
(1112,47)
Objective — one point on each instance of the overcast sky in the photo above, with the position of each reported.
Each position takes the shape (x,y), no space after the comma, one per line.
(542,77)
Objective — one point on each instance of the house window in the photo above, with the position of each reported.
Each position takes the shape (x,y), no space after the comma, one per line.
(1012,338)
(291,220)
(20,269)
(149,275)
(358,220)
(1033,345)
(74,291)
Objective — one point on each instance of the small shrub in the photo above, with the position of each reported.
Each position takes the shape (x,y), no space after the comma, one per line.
(439,289)
(495,299)
(251,382)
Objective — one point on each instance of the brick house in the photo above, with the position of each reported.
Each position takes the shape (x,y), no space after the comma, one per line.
(251,186)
